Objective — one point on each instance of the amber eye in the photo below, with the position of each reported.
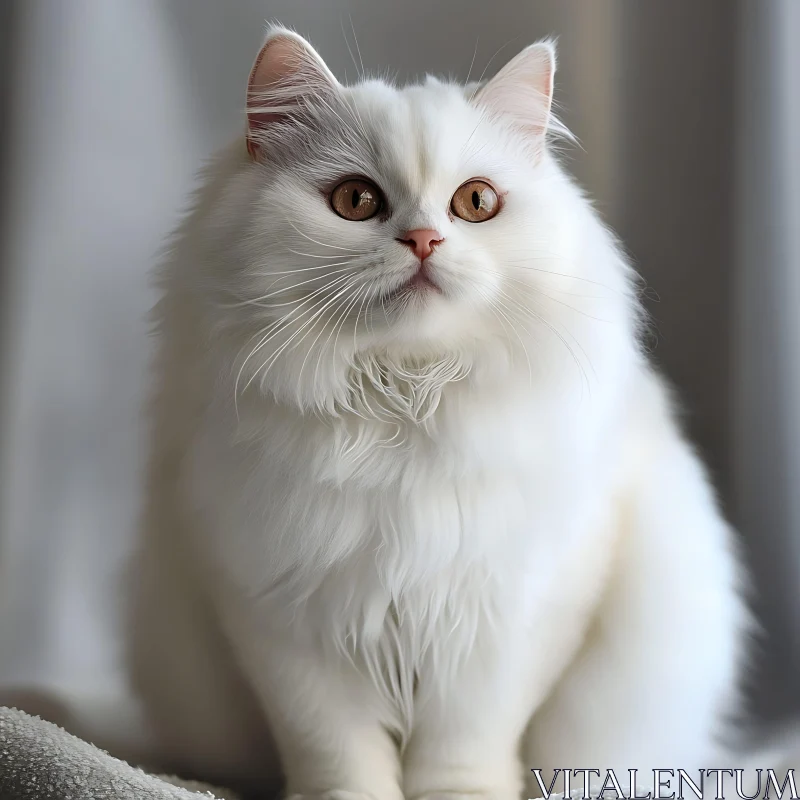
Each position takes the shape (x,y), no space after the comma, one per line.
(475,201)
(356,200)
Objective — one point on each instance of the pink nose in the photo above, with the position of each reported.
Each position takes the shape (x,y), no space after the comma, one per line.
(422,242)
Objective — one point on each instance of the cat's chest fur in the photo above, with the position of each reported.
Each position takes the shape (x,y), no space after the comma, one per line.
(359,540)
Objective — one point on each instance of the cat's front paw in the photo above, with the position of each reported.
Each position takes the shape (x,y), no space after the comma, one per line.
(333,794)
(500,794)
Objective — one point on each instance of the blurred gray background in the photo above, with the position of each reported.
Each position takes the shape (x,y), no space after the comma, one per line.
(688,116)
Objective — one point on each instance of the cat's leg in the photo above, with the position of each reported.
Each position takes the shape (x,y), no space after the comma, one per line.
(325,716)
(657,671)
(468,719)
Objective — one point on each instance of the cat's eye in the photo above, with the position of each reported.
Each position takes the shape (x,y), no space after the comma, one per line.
(356,199)
(475,201)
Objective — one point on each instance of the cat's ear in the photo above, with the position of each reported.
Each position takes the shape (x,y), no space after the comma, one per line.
(286,72)
(522,90)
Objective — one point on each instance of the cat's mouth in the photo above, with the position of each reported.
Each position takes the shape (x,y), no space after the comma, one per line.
(422,281)
(420,284)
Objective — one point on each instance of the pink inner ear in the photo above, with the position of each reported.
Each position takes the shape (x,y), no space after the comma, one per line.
(272,66)
(285,69)
(522,90)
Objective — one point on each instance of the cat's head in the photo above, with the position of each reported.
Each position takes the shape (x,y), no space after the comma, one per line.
(384,231)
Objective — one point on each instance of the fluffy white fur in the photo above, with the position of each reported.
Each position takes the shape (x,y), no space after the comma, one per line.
(412,547)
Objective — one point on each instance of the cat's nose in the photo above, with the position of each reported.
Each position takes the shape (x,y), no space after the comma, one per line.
(422,242)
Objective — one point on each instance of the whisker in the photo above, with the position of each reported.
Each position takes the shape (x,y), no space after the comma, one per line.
(303,269)
(274,329)
(358,49)
(345,289)
(316,255)
(344,318)
(340,321)
(349,50)
(536,291)
(491,305)
(259,301)
(472,63)
(322,244)
(489,63)
(501,305)
(358,316)
(267,365)
(330,334)
(544,321)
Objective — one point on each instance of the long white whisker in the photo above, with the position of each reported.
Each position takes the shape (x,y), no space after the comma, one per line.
(335,327)
(275,328)
(494,308)
(556,332)
(349,49)
(330,334)
(314,343)
(267,365)
(259,301)
(344,317)
(536,291)
(358,49)
(472,63)
(500,306)
(315,255)
(304,269)
(355,326)
(322,244)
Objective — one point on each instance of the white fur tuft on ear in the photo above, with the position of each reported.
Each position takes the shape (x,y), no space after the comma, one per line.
(286,70)
(522,90)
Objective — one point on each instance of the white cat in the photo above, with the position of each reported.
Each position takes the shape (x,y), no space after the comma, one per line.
(420,516)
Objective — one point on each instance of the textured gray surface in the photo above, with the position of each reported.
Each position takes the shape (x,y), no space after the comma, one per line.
(40,761)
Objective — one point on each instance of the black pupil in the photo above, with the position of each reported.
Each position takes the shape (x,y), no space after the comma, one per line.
(476,200)
(356,198)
